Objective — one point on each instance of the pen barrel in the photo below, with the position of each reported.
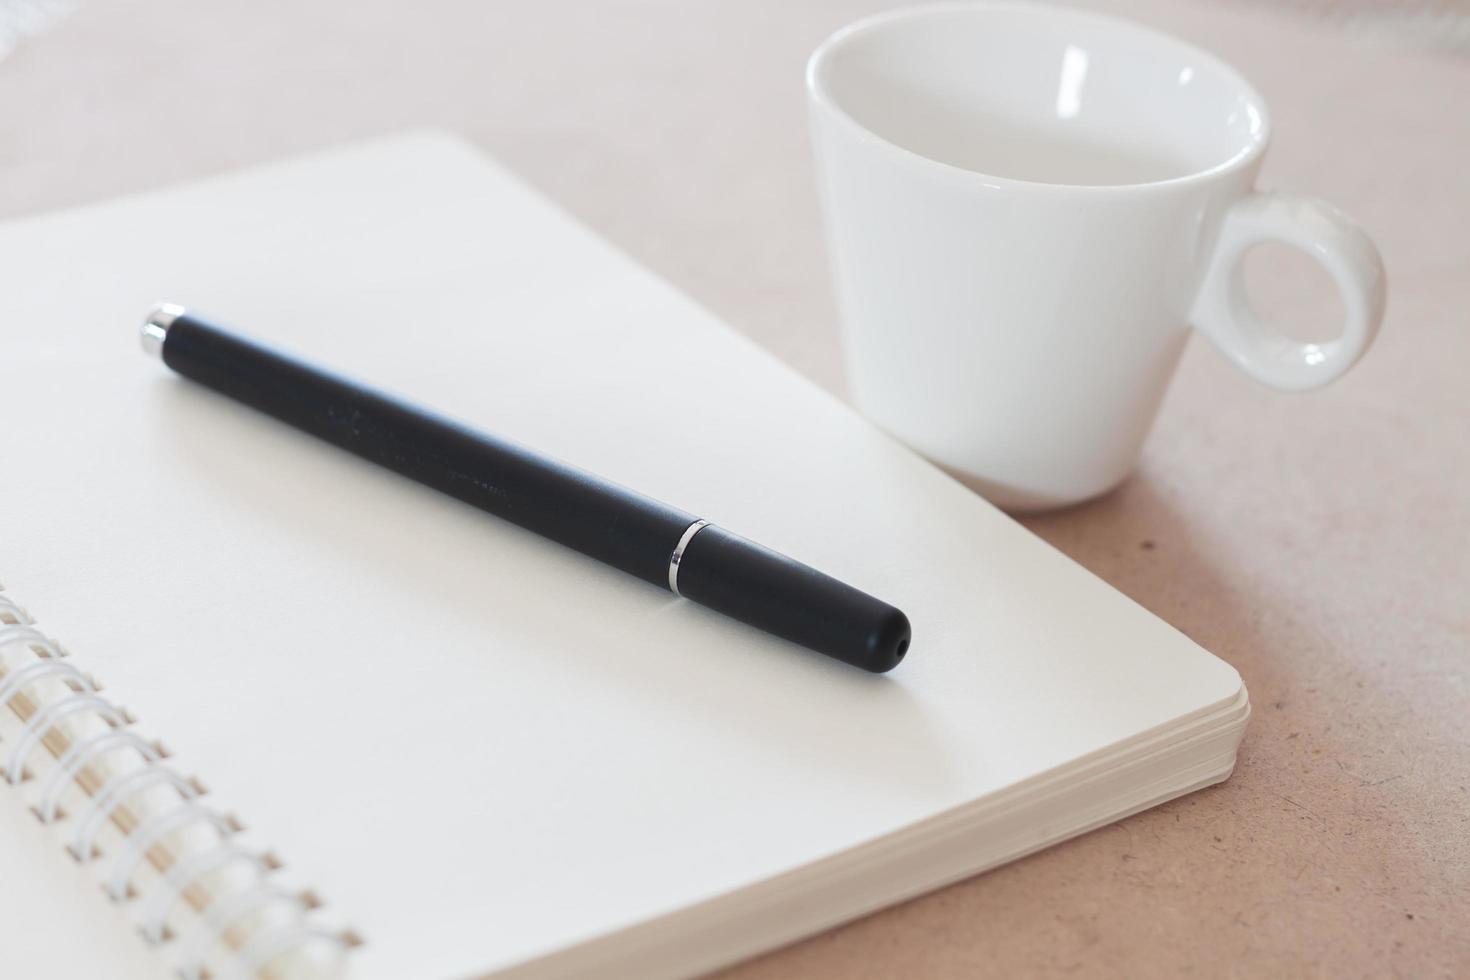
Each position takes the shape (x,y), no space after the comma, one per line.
(780,595)
(660,544)
(558,501)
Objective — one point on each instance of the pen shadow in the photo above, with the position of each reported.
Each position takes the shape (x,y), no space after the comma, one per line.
(544,600)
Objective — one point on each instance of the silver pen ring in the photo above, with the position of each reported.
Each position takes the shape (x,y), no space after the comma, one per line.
(678,555)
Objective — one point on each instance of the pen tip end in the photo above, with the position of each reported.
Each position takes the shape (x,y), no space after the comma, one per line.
(888,642)
(155,328)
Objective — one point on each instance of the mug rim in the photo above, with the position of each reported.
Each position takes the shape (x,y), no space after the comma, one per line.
(820,95)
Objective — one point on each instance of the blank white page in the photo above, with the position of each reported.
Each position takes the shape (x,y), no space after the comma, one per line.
(478,746)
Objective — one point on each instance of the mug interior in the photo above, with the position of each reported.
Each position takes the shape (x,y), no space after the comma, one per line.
(1038,93)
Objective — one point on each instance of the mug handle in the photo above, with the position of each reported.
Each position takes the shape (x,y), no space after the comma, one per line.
(1223,311)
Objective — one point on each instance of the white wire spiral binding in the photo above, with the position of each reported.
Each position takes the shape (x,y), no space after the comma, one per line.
(27,634)
(222,911)
(161,902)
(271,943)
(49,717)
(40,669)
(135,848)
(112,795)
(11,608)
(79,756)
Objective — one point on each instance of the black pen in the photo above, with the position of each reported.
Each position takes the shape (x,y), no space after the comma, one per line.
(639,535)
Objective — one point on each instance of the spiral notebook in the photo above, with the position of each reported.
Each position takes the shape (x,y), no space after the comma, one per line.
(319,721)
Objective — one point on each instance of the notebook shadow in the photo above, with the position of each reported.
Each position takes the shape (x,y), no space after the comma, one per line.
(1316,800)
(543,600)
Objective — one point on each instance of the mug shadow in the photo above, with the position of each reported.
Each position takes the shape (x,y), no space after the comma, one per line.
(1136,539)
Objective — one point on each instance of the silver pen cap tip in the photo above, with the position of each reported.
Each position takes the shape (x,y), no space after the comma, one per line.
(155,328)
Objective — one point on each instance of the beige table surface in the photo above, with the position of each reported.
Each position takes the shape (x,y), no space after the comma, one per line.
(1319,543)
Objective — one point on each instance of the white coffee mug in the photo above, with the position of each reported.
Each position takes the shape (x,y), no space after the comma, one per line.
(1027,206)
